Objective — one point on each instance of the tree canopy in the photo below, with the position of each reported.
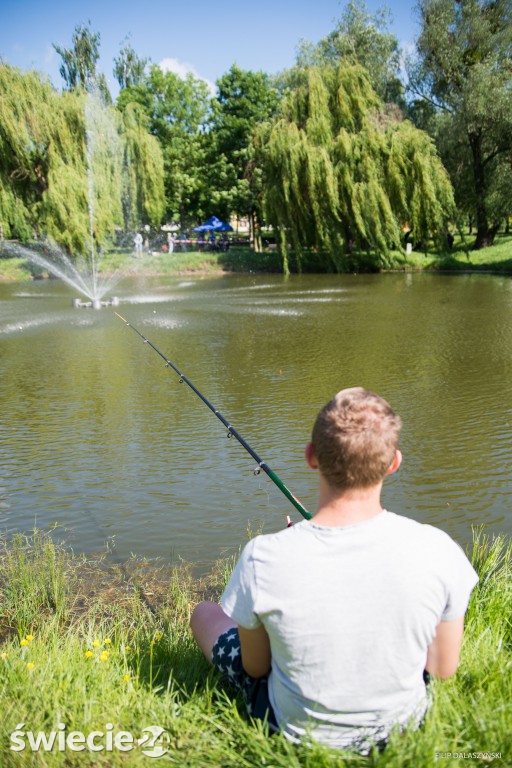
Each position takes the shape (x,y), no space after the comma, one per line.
(129,69)
(24,131)
(177,112)
(359,37)
(79,63)
(61,153)
(463,70)
(340,171)
(244,100)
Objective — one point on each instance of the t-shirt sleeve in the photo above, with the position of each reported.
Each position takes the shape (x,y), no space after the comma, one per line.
(240,594)
(461,581)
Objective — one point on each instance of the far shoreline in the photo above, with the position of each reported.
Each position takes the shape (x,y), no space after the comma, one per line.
(496,260)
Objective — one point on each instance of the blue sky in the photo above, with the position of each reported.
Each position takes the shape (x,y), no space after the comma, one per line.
(199,35)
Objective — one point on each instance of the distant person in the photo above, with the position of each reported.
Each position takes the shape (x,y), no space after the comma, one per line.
(331,627)
(138,244)
(213,242)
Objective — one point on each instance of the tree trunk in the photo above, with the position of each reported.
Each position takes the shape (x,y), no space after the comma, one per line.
(255,232)
(283,249)
(484,233)
(348,240)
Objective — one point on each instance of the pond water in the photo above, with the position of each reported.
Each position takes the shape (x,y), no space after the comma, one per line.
(100,442)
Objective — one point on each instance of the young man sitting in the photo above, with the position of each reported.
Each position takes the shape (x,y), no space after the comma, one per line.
(329,626)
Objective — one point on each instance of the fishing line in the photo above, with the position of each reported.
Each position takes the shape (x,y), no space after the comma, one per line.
(232,432)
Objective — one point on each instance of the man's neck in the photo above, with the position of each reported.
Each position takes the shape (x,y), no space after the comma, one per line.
(350,507)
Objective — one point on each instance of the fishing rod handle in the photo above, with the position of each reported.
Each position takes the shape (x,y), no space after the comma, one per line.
(289,495)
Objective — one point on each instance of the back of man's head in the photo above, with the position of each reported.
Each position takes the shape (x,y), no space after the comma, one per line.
(355,438)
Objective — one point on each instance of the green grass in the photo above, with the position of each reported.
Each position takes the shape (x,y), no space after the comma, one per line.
(496,258)
(177,263)
(86,645)
(14,269)
(460,258)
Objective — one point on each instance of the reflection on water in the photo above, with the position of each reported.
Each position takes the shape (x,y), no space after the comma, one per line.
(100,439)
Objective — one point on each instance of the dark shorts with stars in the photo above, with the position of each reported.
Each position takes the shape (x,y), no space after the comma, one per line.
(227,659)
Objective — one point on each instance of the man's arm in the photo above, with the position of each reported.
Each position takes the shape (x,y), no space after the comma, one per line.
(255,647)
(443,651)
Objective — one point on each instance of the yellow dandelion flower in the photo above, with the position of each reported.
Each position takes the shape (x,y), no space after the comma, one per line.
(128,648)
(96,644)
(126,678)
(108,641)
(104,657)
(88,654)
(24,642)
(30,665)
(29,637)
(3,655)
(158,636)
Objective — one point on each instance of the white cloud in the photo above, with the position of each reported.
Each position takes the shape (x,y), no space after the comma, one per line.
(182,69)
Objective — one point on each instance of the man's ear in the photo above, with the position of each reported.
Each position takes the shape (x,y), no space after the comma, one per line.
(397,460)
(311,456)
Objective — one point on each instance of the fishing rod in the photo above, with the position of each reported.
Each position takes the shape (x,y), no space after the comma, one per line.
(232,432)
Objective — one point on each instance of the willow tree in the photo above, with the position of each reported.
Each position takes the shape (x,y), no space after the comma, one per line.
(143,171)
(81,206)
(342,172)
(62,213)
(113,181)
(63,164)
(24,138)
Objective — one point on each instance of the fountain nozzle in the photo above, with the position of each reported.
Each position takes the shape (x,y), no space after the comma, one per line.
(95,303)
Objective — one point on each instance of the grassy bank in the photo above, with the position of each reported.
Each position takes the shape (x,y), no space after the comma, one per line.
(108,649)
(16,268)
(461,257)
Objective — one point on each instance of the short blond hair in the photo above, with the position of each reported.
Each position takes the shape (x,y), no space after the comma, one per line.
(355,437)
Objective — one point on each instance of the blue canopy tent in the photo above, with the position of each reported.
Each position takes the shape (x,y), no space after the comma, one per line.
(214,225)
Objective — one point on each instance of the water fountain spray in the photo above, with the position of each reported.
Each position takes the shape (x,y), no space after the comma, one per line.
(81,273)
(232,432)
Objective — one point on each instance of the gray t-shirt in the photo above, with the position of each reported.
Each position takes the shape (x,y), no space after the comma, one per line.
(350,613)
